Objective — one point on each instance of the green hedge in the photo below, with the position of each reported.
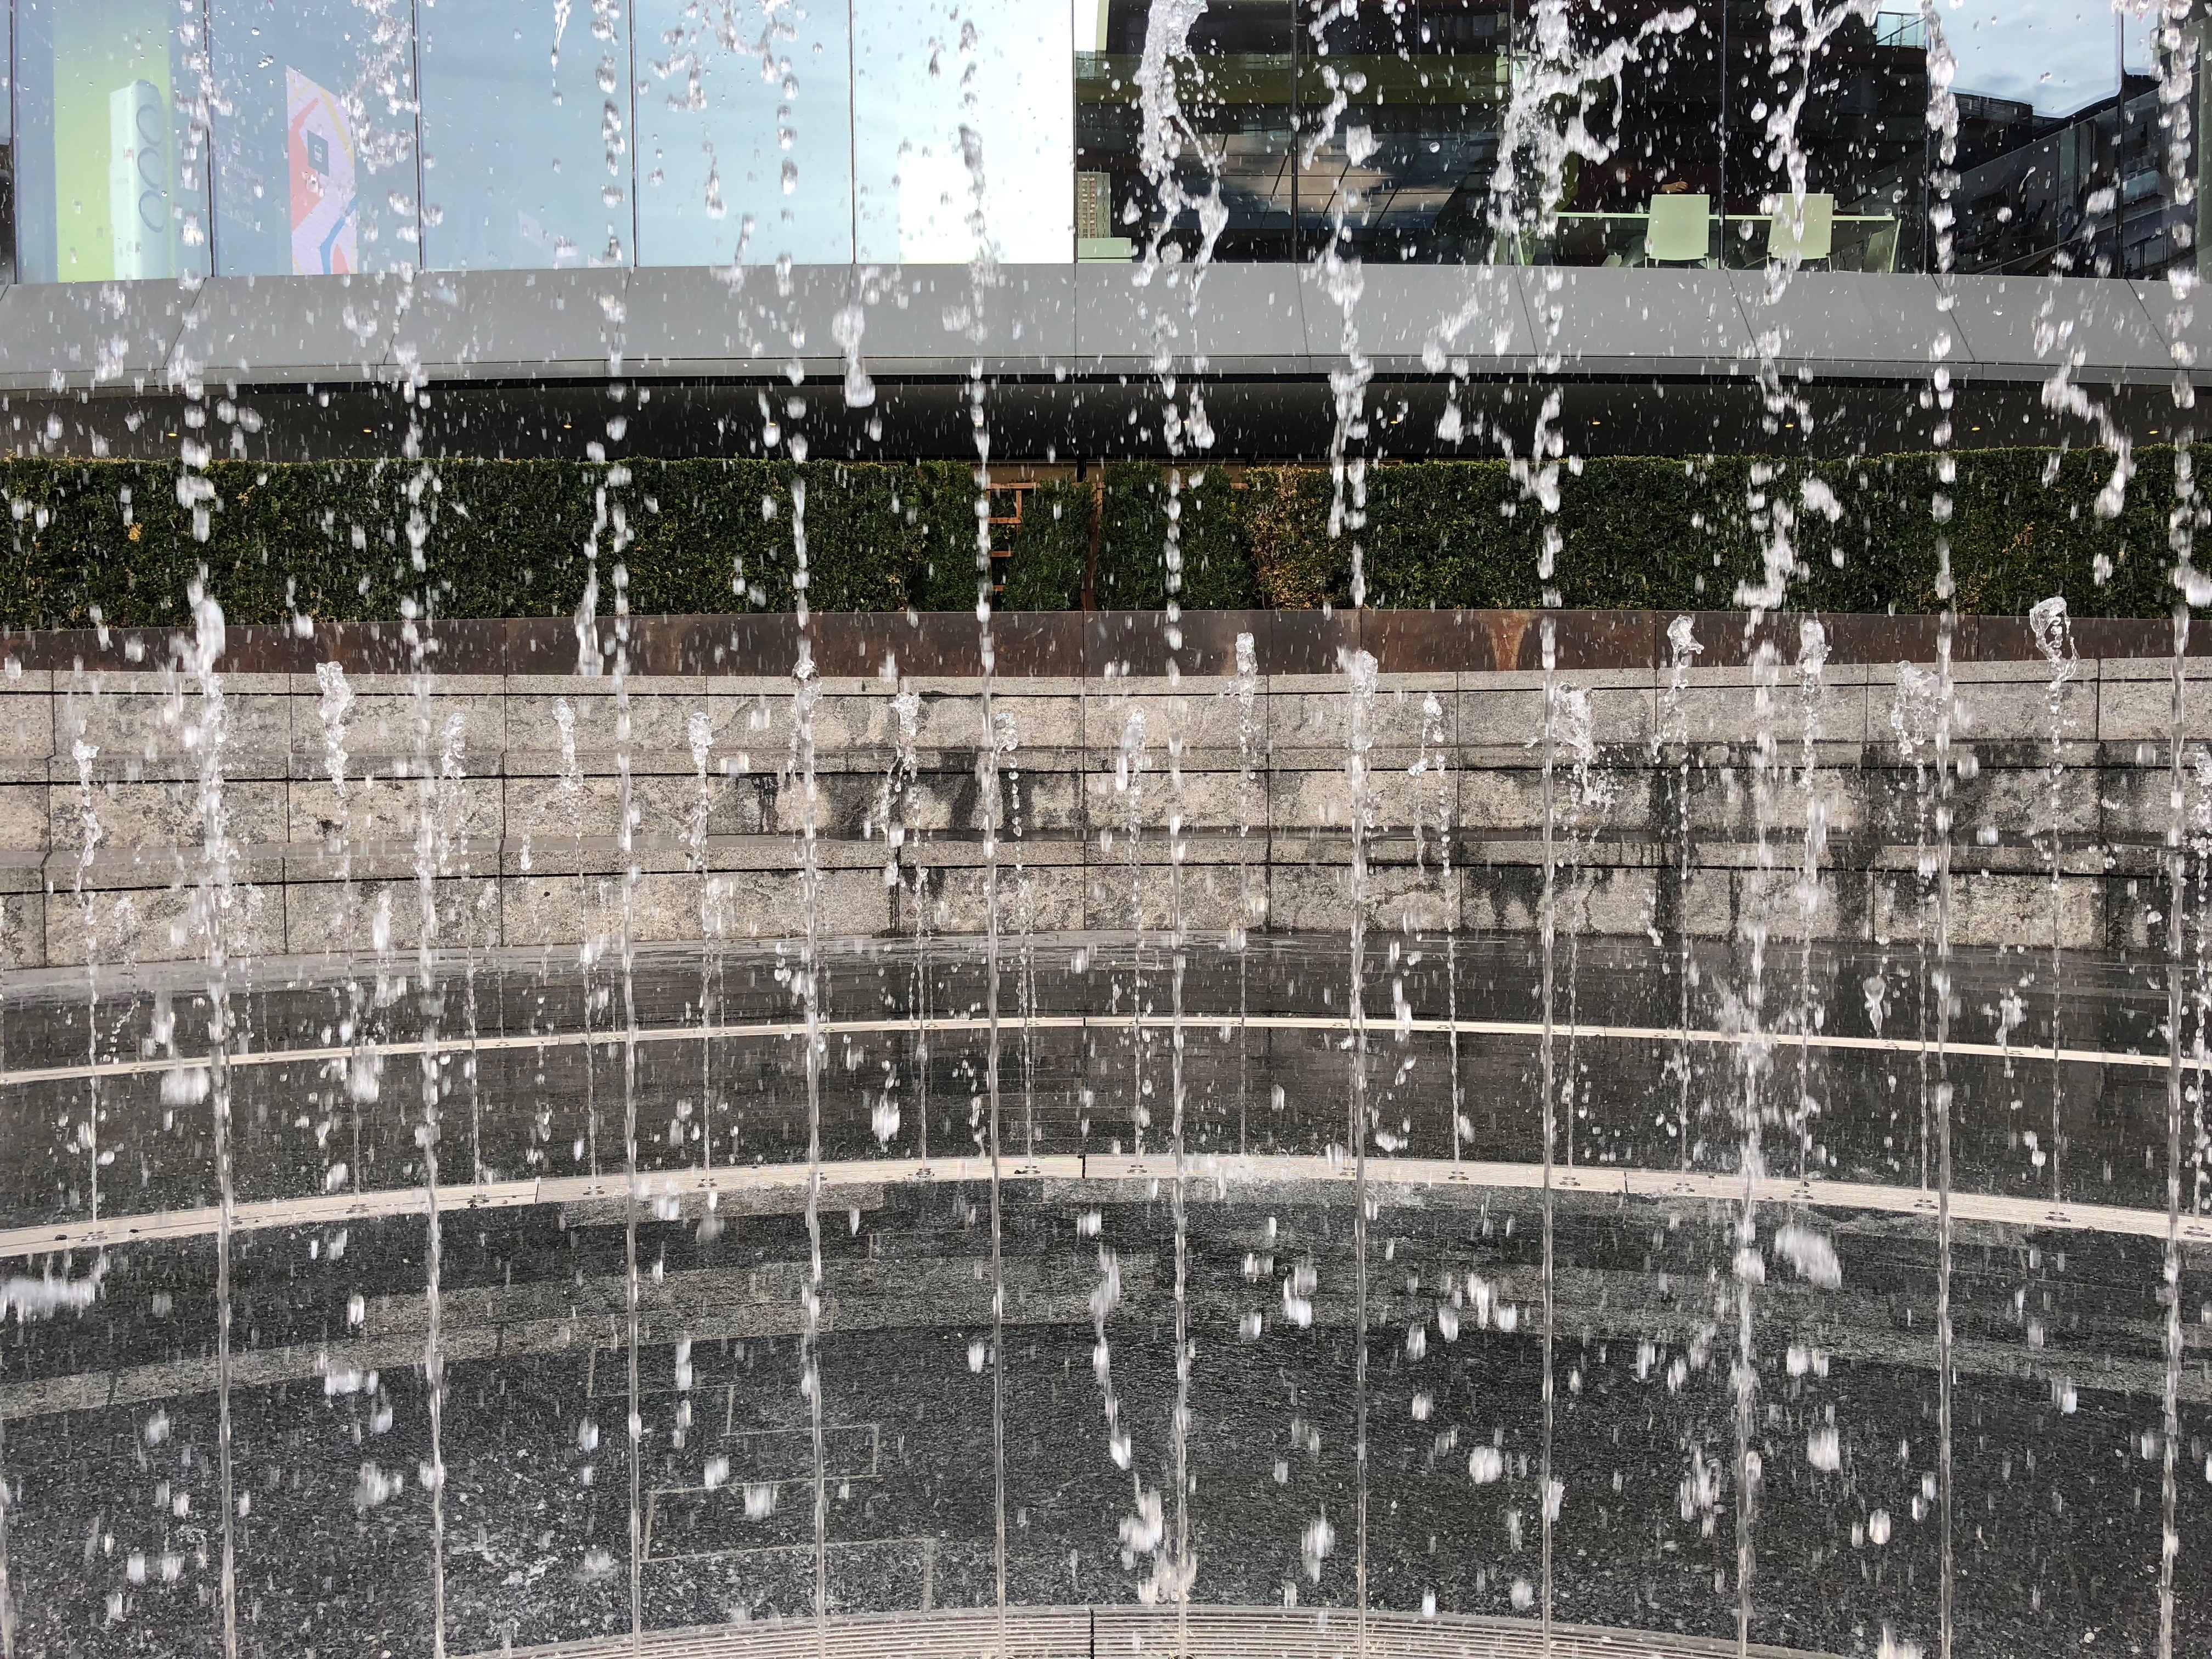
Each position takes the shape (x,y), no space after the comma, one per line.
(499,538)
(1663,535)
(1051,551)
(508,537)
(1216,561)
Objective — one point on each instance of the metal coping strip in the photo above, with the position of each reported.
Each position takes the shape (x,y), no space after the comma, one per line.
(1222,1172)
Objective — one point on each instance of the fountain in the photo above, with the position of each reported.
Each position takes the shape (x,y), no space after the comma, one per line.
(1675,1266)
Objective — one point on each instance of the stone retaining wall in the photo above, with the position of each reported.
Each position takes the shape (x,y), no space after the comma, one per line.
(525,858)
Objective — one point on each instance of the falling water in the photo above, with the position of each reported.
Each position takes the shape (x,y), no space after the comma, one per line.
(1589,793)
(1547,931)
(1754,1058)
(450,791)
(995,742)
(699,731)
(213,902)
(569,788)
(626,818)
(1163,135)
(1343,280)
(2200,848)
(1811,659)
(1165,132)
(1792,50)
(1182,1568)
(1944,123)
(2054,637)
(1128,784)
(806,700)
(1436,757)
(1568,816)
(1026,966)
(1912,717)
(1361,672)
(1105,1298)
(7,1588)
(1940,991)
(1675,727)
(2170,1287)
(903,789)
(1245,689)
(88,839)
(414,634)
(983,277)
(1544,129)
(2174,58)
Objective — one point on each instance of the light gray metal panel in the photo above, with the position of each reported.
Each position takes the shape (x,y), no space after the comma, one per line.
(2187,324)
(1092,320)
(289,329)
(1475,311)
(1998,319)
(691,320)
(1638,321)
(1842,322)
(494,325)
(99,335)
(1249,318)
(920,318)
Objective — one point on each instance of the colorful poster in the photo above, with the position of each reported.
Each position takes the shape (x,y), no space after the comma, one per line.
(325,212)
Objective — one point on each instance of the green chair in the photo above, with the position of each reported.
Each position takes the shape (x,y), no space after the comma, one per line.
(1805,238)
(1678,230)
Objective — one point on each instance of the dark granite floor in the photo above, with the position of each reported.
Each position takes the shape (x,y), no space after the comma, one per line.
(114,1527)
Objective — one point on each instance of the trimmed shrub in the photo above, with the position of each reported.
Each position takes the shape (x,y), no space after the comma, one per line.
(1641,533)
(500,538)
(1051,551)
(1217,564)
(939,500)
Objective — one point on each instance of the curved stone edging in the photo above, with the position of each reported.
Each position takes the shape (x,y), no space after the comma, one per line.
(1220,1172)
(1199,1633)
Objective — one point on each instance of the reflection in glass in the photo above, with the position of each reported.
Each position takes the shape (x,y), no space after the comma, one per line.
(1412,156)
(1861,126)
(914,87)
(1694,169)
(314,140)
(1649,197)
(111,183)
(526,136)
(744,122)
(831,130)
(1236,96)
(2083,194)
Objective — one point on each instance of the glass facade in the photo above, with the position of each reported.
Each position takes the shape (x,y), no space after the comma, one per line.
(939,84)
(314,139)
(271,136)
(738,130)
(526,136)
(111,177)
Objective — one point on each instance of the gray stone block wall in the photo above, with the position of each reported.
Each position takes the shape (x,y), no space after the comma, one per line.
(526,849)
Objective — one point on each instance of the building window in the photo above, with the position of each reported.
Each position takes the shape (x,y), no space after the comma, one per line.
(916,86)
(744,141)
(314,139)
(112,181)
(526,137)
